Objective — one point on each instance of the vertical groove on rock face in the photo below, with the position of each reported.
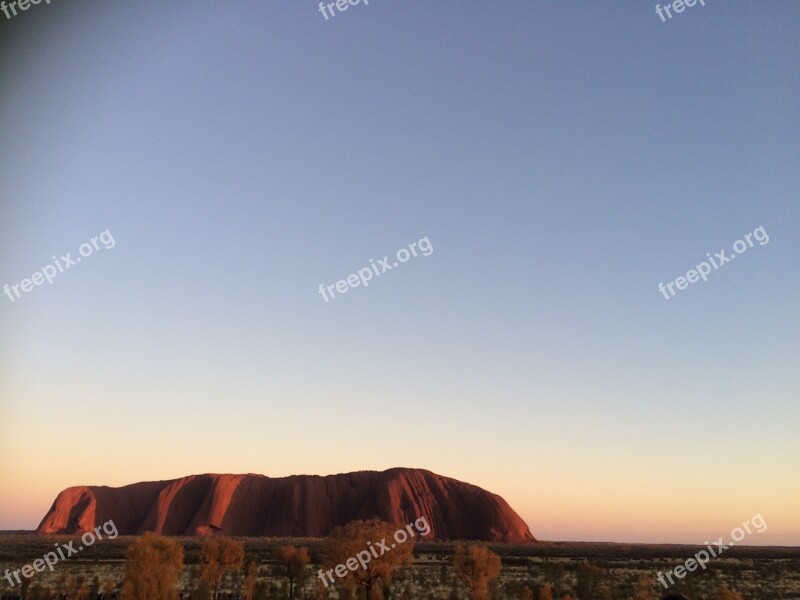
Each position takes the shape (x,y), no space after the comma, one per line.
(296,506)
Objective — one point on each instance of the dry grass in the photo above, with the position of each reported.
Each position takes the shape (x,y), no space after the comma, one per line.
(759,573)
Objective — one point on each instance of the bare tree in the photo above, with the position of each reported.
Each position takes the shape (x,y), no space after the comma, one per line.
(590,580)
(293,562)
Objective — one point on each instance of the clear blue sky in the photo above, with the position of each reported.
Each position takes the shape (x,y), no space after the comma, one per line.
(562,158)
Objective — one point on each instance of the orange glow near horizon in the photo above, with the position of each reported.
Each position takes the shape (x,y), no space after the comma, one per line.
(555,515)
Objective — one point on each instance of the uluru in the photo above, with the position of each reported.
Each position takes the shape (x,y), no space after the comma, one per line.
(294,506)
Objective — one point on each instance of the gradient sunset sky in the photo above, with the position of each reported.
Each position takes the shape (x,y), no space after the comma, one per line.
(563,158)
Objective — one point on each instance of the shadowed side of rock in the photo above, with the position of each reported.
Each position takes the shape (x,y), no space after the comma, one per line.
(295,506)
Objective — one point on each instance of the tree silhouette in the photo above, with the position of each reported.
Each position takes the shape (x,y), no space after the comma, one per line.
(589,579)
(345,543)
(527,593)
(83,592)
(250,581)
(477,566)
(153,566)
(108,588)
(645,589)
(218,557)
(725,593)
(293,562)
(35,592)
